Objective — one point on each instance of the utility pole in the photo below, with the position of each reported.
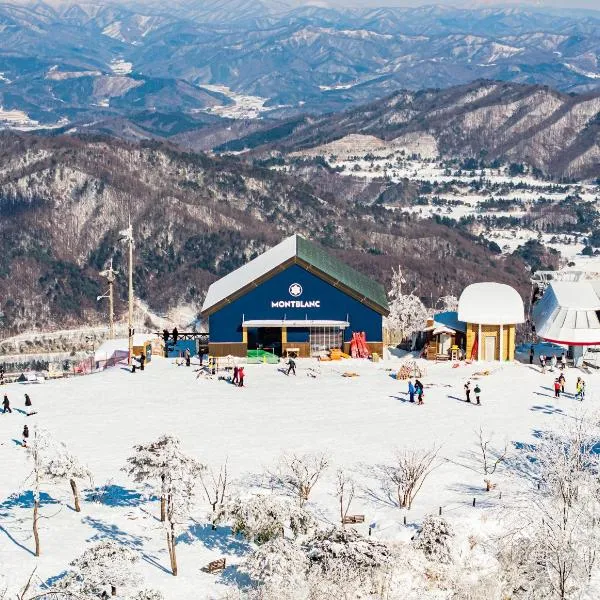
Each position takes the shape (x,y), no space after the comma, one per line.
(110,277)
(127,236)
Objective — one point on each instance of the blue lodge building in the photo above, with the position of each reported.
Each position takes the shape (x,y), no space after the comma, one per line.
(293,297)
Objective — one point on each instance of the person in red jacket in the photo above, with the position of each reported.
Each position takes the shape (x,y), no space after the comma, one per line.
(556,388)
(241,377)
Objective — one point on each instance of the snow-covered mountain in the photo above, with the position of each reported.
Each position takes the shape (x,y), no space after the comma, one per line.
(299,58)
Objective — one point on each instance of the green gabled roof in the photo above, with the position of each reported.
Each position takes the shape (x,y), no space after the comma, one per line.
(334,268)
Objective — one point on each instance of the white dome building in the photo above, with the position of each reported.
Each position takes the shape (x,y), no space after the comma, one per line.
(491,312)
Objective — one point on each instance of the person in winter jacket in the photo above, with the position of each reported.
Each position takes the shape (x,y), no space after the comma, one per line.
(563,361)
(27,400)
(6,404)
(291,366)
(175,335)
(556,388)
(188,357)
(142,361)
(468,391)
(543,363)
(25,436)
(561,380)
(236,373)
(531,354)
(241,377)
(477,391)
(553,362)
(419,390)
(411,390)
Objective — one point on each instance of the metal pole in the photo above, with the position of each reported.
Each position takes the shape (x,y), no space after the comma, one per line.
(130,319)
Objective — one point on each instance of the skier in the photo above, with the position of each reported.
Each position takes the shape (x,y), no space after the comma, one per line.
(531,354)
(411,390)
(236,375)
(561,380)
(6,404)
(477,391)
(291,366)
(27,400)
(419,390)
(25,436)
(175,336)
(556,388)
(543,363)
(468,391)
(553,362)
(188,357)
(241,376)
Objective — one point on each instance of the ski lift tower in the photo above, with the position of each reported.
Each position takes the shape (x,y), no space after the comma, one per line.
(127,236)
(110,274)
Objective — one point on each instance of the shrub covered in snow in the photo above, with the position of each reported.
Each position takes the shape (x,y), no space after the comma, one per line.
(434,539)
(262,517)
(278,561)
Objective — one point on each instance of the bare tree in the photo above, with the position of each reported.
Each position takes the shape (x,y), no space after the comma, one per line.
(215,488)
(299,474)
(490,460)
(409,472)
(345,490)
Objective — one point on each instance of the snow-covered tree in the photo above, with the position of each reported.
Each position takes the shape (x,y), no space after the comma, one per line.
(411,468)
(150,464)
(215,487)
(490,458)
(407,312)
(278,562)
(62,465)
(556,527)
(106,566)
(298,474)
(148,594)
(433,539)
(345,490)
(263,517)
(447,304)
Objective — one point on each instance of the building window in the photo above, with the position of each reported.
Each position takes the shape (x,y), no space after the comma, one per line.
(325,338)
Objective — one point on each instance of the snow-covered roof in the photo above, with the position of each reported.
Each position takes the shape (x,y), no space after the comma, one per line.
(305,253)
(567,313)
(490,303)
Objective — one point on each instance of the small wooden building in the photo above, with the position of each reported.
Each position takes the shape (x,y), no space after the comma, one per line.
(445,336)
(491,312)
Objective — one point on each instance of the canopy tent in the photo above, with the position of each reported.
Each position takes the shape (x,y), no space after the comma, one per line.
(568,313)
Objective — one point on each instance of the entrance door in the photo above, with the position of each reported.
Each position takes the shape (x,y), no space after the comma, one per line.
(490,348)
(445,343)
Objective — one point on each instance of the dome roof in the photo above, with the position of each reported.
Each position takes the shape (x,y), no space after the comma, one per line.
(490,304)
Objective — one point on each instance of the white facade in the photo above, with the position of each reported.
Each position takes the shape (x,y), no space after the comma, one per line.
(490,303)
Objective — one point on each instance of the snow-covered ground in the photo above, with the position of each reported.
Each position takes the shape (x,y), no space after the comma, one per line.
(244,106)
(358,421)
(120,66)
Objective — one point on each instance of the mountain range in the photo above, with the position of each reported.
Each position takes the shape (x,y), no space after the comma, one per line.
(81,62)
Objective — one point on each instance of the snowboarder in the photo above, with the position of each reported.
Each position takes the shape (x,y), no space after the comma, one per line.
(175,336)
(556,388)
(236,375)
(477,391)
(419,390)
(543,363)
(468,391)
(6,404)
(291,366)
(25,436)
(531,354)
(553,362)
(188,357)
(27,400)
(241,376)
(561,380)
(411,390)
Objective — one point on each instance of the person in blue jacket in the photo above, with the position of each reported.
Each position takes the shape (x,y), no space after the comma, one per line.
(411,390)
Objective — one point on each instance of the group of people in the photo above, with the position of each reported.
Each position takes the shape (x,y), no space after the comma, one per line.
(166,335)
(238,376)
(476,391)
(553,361)
(7,409)
(559,387)
(415,388)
